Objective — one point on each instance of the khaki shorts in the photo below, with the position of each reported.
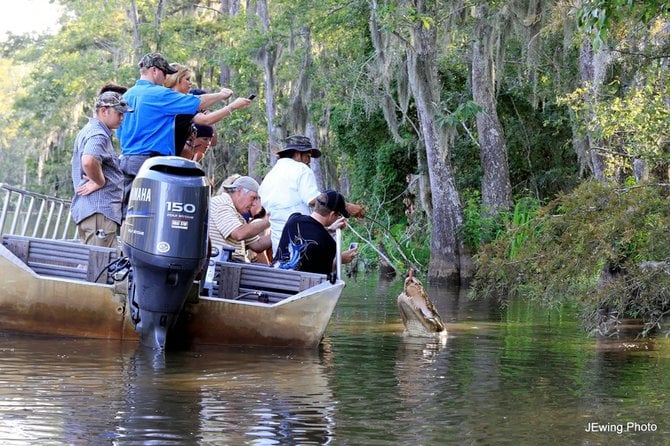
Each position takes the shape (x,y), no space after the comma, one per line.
(98,230)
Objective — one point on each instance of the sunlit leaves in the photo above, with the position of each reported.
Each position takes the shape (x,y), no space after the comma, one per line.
(599,17)
(565,248)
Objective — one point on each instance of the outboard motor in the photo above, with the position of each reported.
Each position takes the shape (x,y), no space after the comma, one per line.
(165,239)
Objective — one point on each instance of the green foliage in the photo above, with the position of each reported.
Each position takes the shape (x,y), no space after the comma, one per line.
(598,17)
(632,122)
(378,166)
(542,160)
(560,255)
(378,169)
(481,228)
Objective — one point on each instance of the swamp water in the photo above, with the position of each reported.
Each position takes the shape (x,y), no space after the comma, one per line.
(522,375)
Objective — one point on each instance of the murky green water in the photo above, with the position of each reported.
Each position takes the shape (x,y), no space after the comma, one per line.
(520,376)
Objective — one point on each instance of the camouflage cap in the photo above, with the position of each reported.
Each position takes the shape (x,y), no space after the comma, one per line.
(156,60)
(114,100)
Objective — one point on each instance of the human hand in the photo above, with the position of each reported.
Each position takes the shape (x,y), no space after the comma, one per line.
(266,219)
(338,224)
(349,255)
(199,154)
(88,187)
(227,92)
(239,103)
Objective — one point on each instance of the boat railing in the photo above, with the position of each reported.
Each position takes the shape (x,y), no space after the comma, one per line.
(35,215)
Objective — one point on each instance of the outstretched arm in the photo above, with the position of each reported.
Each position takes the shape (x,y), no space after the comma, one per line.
(209,99)
(215,116)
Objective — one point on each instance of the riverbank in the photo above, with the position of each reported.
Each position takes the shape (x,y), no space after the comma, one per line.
(604,247)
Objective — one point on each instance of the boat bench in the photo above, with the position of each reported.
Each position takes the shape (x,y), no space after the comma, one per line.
(260,283)
(62,258)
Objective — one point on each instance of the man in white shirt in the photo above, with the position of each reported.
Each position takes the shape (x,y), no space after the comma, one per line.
(290,186)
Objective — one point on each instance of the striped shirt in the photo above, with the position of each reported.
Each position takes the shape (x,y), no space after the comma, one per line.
(223,220)
(95,139)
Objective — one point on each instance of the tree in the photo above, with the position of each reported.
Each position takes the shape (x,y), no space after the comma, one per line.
(267,54)
(496,187)
(449,258)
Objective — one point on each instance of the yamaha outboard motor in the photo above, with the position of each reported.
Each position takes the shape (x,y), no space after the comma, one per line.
(165,239)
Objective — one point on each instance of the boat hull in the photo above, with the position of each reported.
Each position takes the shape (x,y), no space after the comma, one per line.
(299,321)
(34,304)
(41,305)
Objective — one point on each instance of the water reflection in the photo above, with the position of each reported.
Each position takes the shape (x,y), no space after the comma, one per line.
(103,392)
(517,376)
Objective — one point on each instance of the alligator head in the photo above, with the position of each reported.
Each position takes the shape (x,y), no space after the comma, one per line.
(417,311)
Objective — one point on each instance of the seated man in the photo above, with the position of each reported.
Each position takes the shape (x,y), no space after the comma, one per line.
(226,224)
(306,243)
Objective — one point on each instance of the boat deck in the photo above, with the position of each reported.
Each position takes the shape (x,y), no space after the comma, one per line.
(259,283)
(62,258)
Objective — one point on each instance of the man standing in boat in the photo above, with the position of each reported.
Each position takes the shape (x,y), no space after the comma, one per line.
(150,131)
(290,186)
(96,174)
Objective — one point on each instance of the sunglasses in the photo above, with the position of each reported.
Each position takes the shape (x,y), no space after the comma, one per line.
(117,104)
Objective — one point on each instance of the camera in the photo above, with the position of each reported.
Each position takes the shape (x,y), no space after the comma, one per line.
(353,245)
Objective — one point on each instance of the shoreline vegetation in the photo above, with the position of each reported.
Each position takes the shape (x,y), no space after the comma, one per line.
(603,246)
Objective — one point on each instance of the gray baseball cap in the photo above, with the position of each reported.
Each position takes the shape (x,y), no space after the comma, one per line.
(247,183)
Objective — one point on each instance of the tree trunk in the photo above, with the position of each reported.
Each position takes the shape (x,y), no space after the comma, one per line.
(158,19)
(384,71)
(268,57)
(300,121)
(228,8)
(301,90)
(449,259)
(253,157)
(592,68)
(496,187)
(131,13)
(315,164)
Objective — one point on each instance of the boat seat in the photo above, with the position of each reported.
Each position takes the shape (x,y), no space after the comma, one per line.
(62,258)
(260,283)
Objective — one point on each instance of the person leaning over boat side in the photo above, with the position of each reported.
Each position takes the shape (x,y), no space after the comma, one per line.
(306,243)
(199,142)
(227,226)
(290,186)
(96,175)
(183,124)
(256,212)
(149,131)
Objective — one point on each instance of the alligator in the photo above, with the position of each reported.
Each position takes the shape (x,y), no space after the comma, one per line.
(417,310)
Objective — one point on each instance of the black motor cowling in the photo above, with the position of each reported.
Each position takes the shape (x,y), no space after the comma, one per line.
(165,239)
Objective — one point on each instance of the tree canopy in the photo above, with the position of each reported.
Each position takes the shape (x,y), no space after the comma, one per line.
(439,116)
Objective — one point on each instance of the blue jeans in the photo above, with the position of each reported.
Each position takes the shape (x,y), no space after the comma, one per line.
(130,166)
